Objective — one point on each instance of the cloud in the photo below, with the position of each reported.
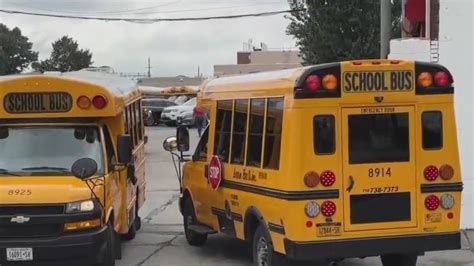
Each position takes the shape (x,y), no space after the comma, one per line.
(174,47)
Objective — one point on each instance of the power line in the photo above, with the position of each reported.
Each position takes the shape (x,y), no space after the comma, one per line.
(149,20)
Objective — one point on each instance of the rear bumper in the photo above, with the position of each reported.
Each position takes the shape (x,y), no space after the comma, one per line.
(81,248)
(367,247)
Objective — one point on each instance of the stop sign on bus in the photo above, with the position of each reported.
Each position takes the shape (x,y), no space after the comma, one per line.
(215,172)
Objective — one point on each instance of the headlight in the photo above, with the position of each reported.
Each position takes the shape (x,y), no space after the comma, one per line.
(80,206)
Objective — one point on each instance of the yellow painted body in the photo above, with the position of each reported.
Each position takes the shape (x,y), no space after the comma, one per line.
(121,196)
(297,157)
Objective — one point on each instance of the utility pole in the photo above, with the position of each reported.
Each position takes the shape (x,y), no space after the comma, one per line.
(149,68)
(385,27)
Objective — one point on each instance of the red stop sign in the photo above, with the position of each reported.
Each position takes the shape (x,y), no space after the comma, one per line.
(215,172)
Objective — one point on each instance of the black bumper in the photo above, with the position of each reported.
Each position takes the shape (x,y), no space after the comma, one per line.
(81,248)
(368,247)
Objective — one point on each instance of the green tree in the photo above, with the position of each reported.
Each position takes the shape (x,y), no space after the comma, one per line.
(337,30)
(15,51)
(66,56)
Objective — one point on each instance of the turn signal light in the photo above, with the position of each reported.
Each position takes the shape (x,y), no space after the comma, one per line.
(431,173)
(83,102)
(432,202)
(425,79)
(313,82)
(446,172)
(99,102)
(328,208)
(82,225)
(311,179)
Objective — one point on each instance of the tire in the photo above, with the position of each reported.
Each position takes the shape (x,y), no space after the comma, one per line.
(109,255)
(136,225)
(399,260)
(262,249)
(189,217)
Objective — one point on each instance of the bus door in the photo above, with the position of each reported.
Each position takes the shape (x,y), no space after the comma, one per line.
(379,168)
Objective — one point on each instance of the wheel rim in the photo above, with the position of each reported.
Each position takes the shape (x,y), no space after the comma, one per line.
(262,252)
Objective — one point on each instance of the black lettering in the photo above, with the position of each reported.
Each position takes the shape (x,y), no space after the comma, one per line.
(362,81)
(30,103)
(11,103)
(408,78)
(401,80)
(370,81)
(348,84)
(378,81)
(51,102)
(393,79)
(355,76)
(65,102)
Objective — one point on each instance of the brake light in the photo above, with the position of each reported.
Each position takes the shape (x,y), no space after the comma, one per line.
(311,179)
(441,79)
(313,82)
(425,79)
(99,102)
(432,202)
(328,208)
(328,178)
(395,62)
(431,173)
(330,82)
(446,172)
(83,102)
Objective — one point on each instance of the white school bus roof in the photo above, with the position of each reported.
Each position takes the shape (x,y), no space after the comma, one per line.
(17,90)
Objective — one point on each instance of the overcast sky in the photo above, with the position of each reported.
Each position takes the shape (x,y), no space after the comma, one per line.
(174,47)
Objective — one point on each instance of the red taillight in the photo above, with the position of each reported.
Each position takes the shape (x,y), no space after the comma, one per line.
(432,202)
(99,102)
(395,62)
(313,82)
(83,102)
(309,224)
(328,208)
(357,63)
(441,79)
(431,173)
(328,178)
(446,172)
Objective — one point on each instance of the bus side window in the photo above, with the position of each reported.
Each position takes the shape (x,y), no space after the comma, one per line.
(432,124)
(201,150)
(140,119)
(255,138)
(223,126)
(239,131)
(324,134)
(109,149)
(271,159)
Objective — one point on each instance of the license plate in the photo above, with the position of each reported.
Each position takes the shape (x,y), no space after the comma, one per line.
(323,230)
(19,254)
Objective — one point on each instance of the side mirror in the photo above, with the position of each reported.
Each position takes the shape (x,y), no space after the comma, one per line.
(124,147)
(84,168)
(170,144)
(182,138)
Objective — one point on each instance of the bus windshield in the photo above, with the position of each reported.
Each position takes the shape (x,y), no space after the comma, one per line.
(38,150)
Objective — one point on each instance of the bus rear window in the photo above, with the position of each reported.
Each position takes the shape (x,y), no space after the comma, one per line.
(324,134)
(377,138)
(432,123)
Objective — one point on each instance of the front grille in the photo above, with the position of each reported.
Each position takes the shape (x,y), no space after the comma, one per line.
(378,208)
(24,231)
(31,209)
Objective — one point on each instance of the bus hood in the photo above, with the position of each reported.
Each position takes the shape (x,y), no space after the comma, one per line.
(42,189)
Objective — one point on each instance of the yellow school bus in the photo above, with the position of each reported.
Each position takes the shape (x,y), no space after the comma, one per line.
(72,173)
(332,161)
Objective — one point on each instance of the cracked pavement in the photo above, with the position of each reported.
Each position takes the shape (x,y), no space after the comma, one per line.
(161,240)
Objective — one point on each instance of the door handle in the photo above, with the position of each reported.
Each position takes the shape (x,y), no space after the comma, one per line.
(351,184)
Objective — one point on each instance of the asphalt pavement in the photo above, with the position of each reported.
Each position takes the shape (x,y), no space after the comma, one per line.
(161,240)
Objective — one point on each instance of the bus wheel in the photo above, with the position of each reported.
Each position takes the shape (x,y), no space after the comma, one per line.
(109,255)
(399,260)
(262,248)
(189,218)
(149,121)
(134,227)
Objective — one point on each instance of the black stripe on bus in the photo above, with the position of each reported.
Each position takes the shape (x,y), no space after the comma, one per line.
(449,187)
(276,228)
(220,212)
(282,194)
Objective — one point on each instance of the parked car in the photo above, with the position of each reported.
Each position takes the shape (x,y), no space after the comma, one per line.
(152,108)
(170,115)
(186,118)
(181,99)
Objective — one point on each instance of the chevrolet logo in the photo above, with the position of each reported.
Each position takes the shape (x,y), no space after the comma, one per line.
(20,219)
